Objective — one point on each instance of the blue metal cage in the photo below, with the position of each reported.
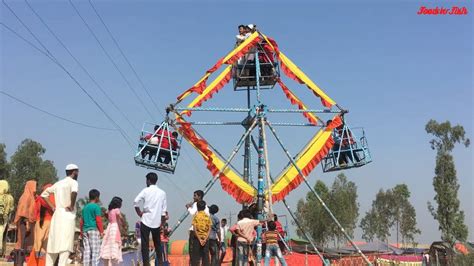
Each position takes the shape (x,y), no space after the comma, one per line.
(349,151)
(151,152)
(244,70)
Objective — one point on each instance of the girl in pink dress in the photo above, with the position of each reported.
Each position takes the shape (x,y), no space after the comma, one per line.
(111,249)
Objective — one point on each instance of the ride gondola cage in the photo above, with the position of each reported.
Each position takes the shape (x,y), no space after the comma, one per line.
(350,149)
(262,59)
(159,147)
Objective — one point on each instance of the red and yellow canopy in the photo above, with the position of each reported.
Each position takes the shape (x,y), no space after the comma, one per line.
(308,158)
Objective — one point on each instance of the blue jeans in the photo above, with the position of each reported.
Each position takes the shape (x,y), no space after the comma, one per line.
(242,253)
(274,250)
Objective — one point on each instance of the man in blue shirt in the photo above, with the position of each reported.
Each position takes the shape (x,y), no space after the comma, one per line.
(214,236)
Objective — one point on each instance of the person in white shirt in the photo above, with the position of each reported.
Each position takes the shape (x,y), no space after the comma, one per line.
(239,38)
(246,235)
(63,222)
(224,228)
(192,209)
(192,206)
(153,214)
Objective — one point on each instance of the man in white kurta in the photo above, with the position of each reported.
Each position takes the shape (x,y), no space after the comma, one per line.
(63,222)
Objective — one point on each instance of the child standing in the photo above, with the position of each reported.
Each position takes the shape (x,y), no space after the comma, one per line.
(165,238)
(271,238)
(202,227)
(111,249)
(92,229)
(214,237)
(224,228)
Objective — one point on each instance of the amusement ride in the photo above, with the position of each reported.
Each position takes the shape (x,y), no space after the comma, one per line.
(254,65)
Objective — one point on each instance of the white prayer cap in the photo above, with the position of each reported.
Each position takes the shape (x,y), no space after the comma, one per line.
(71,167)
(251,26)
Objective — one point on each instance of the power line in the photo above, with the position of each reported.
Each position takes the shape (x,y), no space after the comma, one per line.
(136,75)
(126,58)
(52,58)
(110,58)
(128,62)
(48,53)
(51,114)
(80,65)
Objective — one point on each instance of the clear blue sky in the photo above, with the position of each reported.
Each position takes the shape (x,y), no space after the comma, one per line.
(394,70)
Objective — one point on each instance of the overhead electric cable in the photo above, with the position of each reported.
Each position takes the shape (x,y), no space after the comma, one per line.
(80,65)
(147,91)
(126,58)
(29,30)
(51,114)
(110,58)
(51,57)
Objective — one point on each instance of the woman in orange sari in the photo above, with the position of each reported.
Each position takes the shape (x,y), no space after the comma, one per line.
(25,216)
(43,214)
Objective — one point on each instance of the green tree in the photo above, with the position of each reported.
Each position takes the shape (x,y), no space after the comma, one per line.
(341,199)
(124,228)
(379,219)
(369,226)
(408,227)
(343,203)
(447,212)
(4,167)
(312,216)
(404,214)
(26,164)
(391,208)
(80,204)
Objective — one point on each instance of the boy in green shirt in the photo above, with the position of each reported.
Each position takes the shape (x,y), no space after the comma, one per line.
(92,229)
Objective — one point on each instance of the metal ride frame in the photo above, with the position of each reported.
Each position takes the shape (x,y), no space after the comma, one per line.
(257,118)
(154,163)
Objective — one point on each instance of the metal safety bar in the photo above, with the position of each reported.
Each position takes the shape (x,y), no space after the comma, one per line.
(324,111)
(282,124)
(213,109)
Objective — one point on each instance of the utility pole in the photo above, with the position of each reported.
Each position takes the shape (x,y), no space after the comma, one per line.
(247,152)
(231,214)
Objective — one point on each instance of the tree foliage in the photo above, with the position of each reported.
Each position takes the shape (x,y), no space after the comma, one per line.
(27,164)
(341,199)
(404,214)
(4,167)
(311,215)
(447,212)
(344,205)
(378,220)
(391,209)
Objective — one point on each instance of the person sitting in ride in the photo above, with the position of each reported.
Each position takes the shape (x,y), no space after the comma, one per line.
(166,148)
(346,141)
(250,56)
(242,35)
(152,149)
(252,28)
(342,161)
(174,141)
(267,60)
